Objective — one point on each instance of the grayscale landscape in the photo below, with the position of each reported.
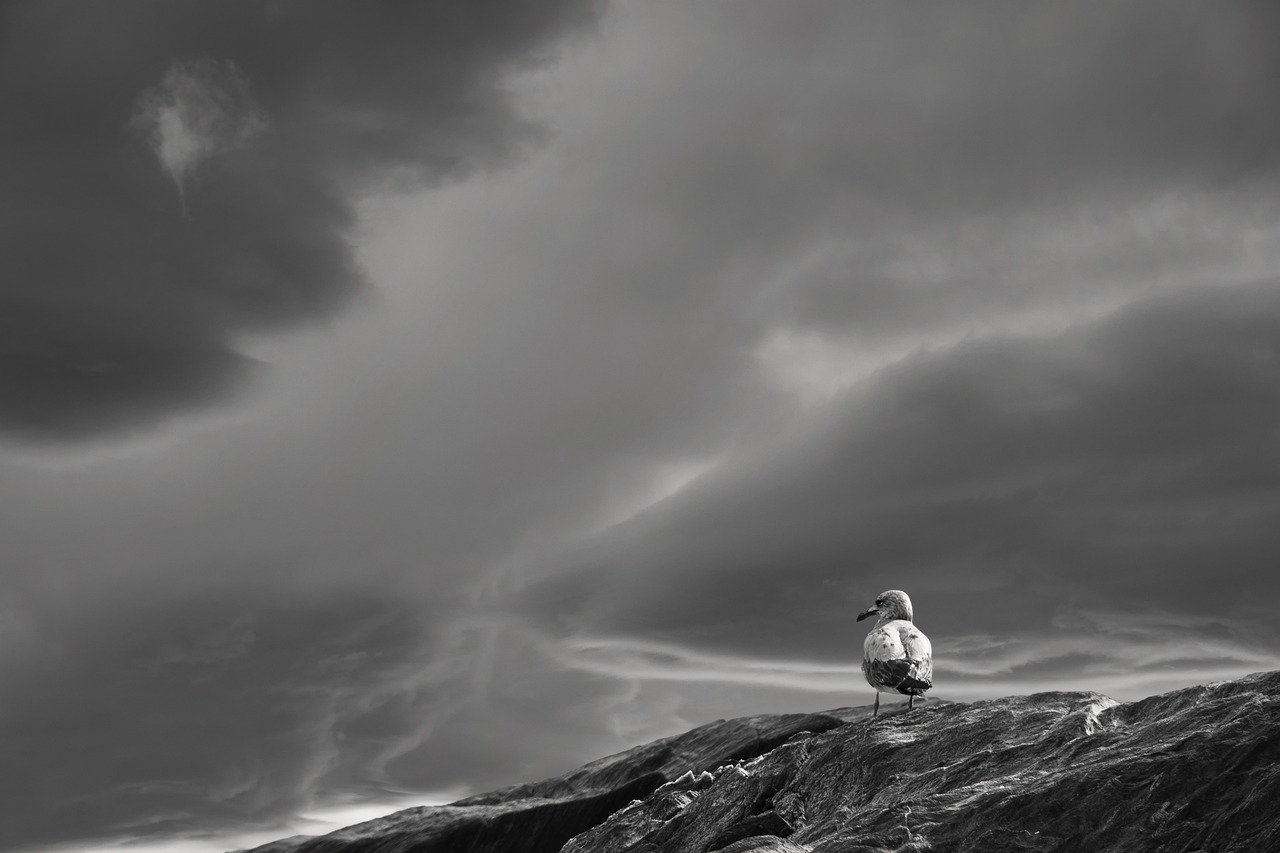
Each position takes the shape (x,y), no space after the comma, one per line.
(405,402)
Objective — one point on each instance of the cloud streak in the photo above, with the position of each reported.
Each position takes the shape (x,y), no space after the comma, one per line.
(1109,660)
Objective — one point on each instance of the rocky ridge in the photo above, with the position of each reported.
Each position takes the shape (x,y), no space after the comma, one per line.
(1192,770)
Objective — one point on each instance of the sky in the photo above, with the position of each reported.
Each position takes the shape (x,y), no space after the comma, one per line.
(402,400)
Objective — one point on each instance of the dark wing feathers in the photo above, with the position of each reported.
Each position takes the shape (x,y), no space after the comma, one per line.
(909,677)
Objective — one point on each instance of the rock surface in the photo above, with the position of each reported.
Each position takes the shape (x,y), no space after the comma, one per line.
(542,816)
(1193,770)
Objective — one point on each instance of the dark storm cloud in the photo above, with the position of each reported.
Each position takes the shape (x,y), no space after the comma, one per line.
(178,174)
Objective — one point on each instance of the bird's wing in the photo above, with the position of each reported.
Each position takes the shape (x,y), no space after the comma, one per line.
(914,643)
(919,651)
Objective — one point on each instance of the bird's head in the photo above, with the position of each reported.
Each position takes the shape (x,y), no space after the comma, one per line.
(890,604)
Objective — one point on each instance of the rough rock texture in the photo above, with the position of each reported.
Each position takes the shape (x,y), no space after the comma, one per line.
(1192,770)
(542,816)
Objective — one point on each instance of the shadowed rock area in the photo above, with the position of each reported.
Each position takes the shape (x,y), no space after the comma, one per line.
(1193,770)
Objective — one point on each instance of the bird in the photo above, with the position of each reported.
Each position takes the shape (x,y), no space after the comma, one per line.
(896,656)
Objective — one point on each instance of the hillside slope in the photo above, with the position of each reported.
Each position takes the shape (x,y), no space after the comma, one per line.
(1196,769)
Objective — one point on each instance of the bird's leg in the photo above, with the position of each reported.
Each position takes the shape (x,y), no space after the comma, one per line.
(911,702)
(877,708)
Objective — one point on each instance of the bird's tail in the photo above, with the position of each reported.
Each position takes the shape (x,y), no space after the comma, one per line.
(914,686)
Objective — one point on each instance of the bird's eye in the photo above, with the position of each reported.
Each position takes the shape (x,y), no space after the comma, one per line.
(879,601)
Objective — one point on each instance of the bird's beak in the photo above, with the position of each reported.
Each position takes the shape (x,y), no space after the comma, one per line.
(864,614)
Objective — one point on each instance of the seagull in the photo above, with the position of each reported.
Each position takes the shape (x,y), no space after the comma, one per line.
(897,656)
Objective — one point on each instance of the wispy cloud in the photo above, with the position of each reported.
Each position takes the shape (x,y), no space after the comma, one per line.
(201,108)
(1125,652)
(641,660)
